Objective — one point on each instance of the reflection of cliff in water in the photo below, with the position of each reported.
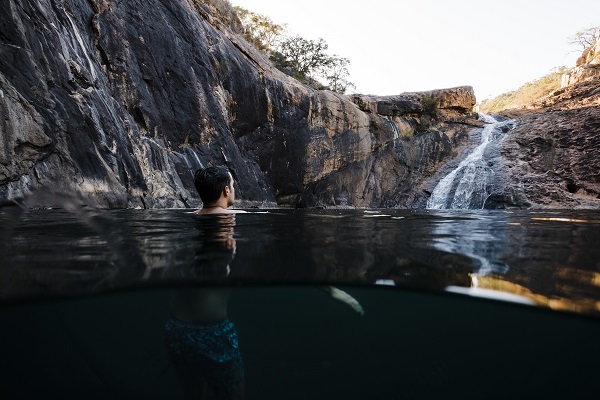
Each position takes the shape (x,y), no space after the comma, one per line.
(350,247)
(545,258)
(556,257)
(551,254)
(550,260)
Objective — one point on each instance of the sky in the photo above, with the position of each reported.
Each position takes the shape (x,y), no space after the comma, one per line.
(397,46)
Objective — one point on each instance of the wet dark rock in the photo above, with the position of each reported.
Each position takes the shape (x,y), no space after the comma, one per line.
(551,160)
(119,102)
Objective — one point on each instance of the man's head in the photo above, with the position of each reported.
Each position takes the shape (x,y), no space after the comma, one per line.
(213,183)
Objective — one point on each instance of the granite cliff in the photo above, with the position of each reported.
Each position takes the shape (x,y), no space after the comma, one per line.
(550,159)
(116,103)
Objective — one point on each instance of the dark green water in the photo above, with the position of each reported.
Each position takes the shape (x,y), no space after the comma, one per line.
(86,294)
(297,344)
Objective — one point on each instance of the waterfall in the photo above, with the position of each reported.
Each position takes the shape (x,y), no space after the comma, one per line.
(467,186)
(394,128)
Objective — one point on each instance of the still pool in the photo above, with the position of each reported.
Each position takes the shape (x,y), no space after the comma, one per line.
(469,304)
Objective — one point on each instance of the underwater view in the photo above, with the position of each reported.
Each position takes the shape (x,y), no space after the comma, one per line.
(320,303)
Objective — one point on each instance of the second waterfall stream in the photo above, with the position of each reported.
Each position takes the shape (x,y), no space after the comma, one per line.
(468,185)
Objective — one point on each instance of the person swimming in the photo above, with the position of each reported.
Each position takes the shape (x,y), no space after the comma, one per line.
(201,341)
(215,187)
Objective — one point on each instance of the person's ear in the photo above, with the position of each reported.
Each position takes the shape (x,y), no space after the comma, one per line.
(226,191)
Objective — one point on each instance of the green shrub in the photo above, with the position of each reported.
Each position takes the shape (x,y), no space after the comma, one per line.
(429,115)
(223,10)
(430,106)
(408,133)
(374,124)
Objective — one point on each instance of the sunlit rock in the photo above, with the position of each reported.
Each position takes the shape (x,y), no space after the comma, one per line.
(121,103)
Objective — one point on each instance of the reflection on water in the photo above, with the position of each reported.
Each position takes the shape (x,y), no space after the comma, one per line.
(551,257)
(484,242)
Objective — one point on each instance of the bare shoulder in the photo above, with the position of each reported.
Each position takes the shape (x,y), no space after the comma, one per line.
(227,211)
(217,210)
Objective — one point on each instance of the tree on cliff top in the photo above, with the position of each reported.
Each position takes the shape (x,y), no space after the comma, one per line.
(336,73)
(305,56)
(259,29)
(221,9)
(304,59)
(308,61)
(586,41)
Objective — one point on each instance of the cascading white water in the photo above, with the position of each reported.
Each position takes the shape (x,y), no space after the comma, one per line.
(466,187)
(394,128)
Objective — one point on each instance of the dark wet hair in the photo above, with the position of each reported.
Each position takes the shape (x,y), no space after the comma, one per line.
(210,183)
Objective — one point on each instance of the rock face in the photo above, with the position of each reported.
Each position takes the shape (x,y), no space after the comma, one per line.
(395,147)
(117,103)
(550,160)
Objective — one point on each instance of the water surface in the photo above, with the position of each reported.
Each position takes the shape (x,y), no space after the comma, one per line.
(547,258)
(85,295)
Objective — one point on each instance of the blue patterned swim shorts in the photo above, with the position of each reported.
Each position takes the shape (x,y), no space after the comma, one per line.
(213,348)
